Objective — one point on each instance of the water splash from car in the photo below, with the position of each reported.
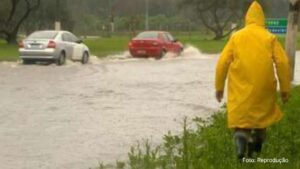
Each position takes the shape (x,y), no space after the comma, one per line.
(189,51)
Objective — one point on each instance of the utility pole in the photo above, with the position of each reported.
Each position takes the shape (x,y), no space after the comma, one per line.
(291,36)
(111,17)
(147,15)
(57,24)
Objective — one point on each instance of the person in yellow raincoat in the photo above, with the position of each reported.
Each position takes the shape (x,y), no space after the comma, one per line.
(248,59)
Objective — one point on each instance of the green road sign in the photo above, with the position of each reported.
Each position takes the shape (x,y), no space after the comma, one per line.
(277,25)
(273,22)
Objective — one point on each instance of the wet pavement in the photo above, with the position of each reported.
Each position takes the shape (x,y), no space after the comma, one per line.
(75,116)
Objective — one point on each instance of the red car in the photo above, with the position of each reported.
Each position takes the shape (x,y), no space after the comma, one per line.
(154,43)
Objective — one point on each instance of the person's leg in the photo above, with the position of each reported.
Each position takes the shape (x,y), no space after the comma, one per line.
(241,137)
(258,137)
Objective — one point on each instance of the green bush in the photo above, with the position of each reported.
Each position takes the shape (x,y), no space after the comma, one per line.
(209,145)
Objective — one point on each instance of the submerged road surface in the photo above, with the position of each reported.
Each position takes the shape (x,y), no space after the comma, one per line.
(74,116)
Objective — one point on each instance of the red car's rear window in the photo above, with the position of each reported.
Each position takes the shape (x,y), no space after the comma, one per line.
(147,35)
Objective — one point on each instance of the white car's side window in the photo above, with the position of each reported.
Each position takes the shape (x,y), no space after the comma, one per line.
(64,37)
(170,37)
(74,38)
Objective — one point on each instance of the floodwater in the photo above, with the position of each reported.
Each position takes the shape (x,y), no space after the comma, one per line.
(75,116)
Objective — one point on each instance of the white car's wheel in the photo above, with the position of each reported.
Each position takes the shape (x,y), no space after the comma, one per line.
(85,58)
(61,60)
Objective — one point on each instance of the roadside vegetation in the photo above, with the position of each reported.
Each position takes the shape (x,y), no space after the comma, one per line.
(8,52)
(104,46)
(208,144)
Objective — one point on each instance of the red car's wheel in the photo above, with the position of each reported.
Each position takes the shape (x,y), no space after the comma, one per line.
(180,51)
(162,54)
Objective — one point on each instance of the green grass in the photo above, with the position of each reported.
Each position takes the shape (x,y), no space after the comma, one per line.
(210,145)
(104,46)
(8,52)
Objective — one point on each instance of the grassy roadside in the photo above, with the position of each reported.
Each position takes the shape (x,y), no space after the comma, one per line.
(210,145)
(104,46)
(8,52)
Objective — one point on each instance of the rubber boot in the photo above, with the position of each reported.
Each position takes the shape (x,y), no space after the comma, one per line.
(255,146)
(258,146)
(259,137)
(241,145)
(251,149)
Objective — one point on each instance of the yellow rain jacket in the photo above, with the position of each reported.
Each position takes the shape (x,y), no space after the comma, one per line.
(249,58)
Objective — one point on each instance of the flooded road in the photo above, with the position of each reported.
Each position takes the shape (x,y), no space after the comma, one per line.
(74,116)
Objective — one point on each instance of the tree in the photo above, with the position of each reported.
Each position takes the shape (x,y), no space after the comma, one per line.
(291,36)
(47,13)
(15,13)
(218,15)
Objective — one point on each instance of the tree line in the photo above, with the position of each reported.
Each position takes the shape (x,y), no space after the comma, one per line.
(85,17)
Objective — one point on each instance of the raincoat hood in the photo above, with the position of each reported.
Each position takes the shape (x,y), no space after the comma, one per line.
(255,15)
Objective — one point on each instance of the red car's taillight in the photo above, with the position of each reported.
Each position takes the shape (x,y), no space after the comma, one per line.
(21,44)
(51,44)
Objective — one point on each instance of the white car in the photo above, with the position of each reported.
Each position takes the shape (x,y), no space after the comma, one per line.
(54,46)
